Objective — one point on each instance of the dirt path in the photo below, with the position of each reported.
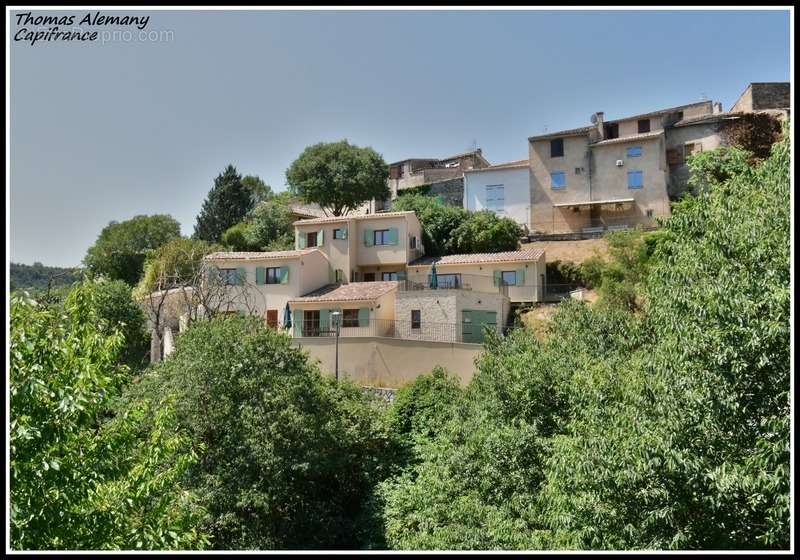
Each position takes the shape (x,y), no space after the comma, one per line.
(574,251)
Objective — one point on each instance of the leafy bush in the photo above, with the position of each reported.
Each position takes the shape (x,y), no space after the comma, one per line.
(485,232)
(271,225)
(662,429)
(113,303)
(176,262)
(290,455)
(753,132)
(79,481)
(235,238)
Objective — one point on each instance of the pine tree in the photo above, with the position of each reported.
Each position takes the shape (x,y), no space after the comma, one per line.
(227,204)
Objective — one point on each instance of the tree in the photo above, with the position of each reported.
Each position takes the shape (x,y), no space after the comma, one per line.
(271,225)
(259,190)
(438,220)
(485,232)
(114,304)
(290,455)
(338,176)
(753,132)
(228,203)
(83,474)
(121,247)
(236,237)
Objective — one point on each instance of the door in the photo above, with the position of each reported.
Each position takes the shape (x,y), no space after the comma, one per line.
(369,277)
(311,323)
(272,318)
(472,323)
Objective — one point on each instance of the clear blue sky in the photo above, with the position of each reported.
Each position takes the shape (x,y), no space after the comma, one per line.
(103,132)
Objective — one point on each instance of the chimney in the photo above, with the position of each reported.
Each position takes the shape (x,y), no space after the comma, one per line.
(597,121)
(717,108)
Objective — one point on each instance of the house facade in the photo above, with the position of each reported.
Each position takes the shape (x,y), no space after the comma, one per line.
(503,189)
(370,273)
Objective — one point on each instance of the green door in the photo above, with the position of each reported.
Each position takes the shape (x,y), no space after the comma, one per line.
(472,323)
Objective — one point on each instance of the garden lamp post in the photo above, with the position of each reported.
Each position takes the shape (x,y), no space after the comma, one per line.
(335,315)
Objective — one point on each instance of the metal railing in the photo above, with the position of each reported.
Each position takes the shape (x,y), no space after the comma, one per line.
(471,282)
(404,330)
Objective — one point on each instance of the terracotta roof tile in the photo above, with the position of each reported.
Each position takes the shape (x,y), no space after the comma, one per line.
(355,291)
(631,138)
(507,256)
(258,255)
(334,219)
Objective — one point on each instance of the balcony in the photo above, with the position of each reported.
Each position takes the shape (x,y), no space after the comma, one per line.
(425,331)
(471,282)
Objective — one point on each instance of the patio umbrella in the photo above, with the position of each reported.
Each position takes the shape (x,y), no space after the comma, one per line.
(433,279)
(287,317)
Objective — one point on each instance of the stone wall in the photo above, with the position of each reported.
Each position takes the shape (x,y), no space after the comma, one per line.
(763,95)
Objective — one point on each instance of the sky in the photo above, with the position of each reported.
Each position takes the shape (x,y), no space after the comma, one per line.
(105,131)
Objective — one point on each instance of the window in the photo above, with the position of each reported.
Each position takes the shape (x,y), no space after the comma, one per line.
(578,170)
(412,243)
(311,326)
(311,239)
(228,276)
(557,147)
(649,212)
(691,149)
(273,276)
(416,319)
(509,277)
(448,280)
(634,151)
(644,125)
(369,277)
(386,276)
(495,198)
(611,131)
(339,233)
(381,237)
(558,180)
(635,179)
(349,317)
(272,318)
(339,276)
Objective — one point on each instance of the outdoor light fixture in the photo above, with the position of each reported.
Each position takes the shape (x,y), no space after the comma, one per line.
(335,315)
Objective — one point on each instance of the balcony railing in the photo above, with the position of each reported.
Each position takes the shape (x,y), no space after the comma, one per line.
(404,330)
(472,282)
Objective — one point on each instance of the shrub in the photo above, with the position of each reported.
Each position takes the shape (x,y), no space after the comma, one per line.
(485,232)
(236,238)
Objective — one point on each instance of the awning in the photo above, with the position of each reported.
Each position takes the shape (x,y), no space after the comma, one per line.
(594,202)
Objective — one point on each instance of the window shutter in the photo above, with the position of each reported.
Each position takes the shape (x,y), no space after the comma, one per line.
(301,240)
(401,275)
(496,277)
(298,322)
(321,237)
(344,233)
(212,274)
(261,275)
(521,277)
(324,319)
(363,316)
(241,275)
(284,275)
(393,236)
(368,239)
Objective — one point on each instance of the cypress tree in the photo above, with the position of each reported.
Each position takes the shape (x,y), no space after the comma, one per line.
(227,204)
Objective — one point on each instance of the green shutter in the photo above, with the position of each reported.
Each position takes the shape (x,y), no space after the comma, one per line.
(212,274)
(369,240)
(521,277)
(298,320)
(284,275)
(261,275)
(393,236)
(321,237)
(496,277)
(363,317)
(301,240)
(241,275)
(324,319)
(344,233)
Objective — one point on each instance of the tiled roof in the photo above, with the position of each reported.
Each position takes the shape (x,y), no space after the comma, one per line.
(569,132)
(507,165)
(258,255)
(334,219)
(707,118)
(310,210)
(507,256)
(631,138)
(355,291)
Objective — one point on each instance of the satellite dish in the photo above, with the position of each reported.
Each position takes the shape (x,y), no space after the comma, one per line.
(594,118)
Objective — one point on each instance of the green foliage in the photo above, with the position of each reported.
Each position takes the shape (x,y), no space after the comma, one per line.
(438,220)
(662,429)
(290,456)
(174,263)
(421,407)
(120,250)
(235,238)
(338,176)
(271,226)
(37,277)
(485,232)
(567,274)
(228,203)
(258,189)
(78,480)
(113,303)
(714,168)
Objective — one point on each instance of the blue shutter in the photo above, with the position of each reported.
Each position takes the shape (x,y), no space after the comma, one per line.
(635,179)
(521,277)
(558,180)
(496,276)
(363,317)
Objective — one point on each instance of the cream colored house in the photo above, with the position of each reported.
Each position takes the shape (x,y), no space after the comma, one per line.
(370,271)
(606,176)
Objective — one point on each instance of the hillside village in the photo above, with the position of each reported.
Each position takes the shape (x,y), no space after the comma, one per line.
(360,293)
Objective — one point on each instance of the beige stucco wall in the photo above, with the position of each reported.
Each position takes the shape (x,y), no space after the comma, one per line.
(387,362)
(383,254)
(337,250)
(707,135)
(381,309)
